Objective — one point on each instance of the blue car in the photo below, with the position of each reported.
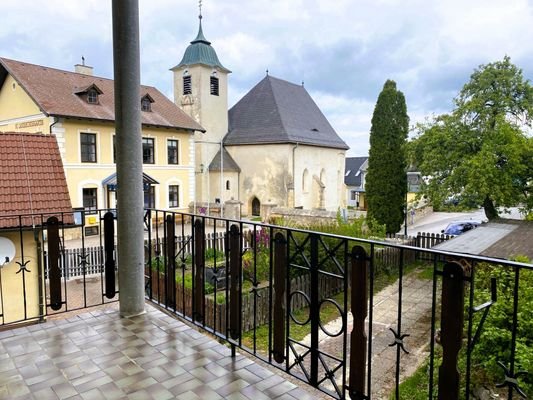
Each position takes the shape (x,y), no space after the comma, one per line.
(457,228)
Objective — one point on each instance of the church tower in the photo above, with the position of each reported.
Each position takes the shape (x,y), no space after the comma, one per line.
(201,90)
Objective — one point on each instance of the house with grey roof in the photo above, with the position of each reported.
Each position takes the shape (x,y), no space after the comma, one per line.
(354,179)
(274,146)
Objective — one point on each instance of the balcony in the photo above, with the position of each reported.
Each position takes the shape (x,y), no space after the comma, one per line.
(342,317)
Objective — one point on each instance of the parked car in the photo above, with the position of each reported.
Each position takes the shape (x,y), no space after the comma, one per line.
(459,227)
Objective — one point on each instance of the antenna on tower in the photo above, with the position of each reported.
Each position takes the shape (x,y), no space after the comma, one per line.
(200,7)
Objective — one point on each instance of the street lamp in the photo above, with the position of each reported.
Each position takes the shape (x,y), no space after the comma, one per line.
(221,175)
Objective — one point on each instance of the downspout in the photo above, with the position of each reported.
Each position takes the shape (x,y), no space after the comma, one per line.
(56,120)
(294,175)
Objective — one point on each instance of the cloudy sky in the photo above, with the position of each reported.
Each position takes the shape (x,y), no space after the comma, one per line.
(344,50)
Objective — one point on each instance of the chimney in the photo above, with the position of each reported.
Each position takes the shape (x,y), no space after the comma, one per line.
(82,68)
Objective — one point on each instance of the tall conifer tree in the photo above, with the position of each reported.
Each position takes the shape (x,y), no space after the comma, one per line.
(386,181)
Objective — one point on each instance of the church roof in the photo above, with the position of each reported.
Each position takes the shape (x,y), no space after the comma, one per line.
(56,93)
(277,111)
(200,51)
(229,163)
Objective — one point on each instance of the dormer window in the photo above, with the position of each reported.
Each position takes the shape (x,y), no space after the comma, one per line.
(92,96)
(146,103)
(213,83)
(89,93)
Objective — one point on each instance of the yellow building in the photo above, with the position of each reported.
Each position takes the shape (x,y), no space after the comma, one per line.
(78,109)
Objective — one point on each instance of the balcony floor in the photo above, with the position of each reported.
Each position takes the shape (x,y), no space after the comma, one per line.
(98,355)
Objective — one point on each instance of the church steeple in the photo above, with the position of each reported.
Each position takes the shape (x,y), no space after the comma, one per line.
(200,51)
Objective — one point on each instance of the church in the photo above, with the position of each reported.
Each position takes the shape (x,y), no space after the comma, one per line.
(274,146)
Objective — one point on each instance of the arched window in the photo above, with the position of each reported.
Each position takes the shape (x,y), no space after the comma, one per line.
(214,83)
(187,84)
(227,185)
(305,178)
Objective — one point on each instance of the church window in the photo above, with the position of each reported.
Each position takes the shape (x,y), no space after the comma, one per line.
(227,185)
(305,178)
(214,84)
(187,86)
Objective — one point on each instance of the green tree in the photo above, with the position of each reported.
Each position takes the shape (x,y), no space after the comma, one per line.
(481,152)
(386,181)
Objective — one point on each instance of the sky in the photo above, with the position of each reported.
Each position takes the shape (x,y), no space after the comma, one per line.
(343,51)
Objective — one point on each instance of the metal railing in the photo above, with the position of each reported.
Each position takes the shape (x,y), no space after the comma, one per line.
(308,303)
(346,359)
(54,267)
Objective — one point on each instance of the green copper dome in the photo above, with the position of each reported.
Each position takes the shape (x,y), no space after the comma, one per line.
(201,52)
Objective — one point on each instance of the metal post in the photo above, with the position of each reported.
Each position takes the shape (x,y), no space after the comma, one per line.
(129,156)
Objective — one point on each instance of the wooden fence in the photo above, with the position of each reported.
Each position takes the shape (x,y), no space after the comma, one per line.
(256,303)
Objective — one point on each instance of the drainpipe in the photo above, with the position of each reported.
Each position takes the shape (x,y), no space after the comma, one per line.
(130,205)
(56,120)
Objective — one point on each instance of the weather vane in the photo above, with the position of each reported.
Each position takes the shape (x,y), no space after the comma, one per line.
(200,7)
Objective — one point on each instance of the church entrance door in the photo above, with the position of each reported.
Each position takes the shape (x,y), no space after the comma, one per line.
(256,207)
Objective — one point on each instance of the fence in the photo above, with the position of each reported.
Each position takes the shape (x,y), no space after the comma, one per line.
(287,269)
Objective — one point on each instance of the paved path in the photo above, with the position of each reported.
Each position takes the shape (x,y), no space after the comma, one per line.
(416,321)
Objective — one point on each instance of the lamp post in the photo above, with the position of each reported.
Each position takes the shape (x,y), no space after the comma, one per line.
(220,143)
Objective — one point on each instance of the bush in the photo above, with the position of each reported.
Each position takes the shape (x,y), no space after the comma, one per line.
(495,341)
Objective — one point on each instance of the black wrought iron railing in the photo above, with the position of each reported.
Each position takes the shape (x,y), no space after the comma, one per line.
(52,266)
(351,317)
(322,307)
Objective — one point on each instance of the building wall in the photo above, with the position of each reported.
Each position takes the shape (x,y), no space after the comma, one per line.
(208,110)
(90,175)
(13,292)
(322,164)
(15,102)
(267,173)
(19,113)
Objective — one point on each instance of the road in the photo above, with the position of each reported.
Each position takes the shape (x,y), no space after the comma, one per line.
(437,221)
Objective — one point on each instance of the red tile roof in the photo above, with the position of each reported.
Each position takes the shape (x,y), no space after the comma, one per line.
(55,92)
(33,180)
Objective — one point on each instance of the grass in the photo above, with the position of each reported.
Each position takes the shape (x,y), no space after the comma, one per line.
(329,312)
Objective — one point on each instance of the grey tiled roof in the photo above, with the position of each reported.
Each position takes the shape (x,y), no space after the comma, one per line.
(277,111)
(200,51)
(352,165)
(229,163)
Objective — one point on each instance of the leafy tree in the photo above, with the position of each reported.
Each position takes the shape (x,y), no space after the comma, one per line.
(386,180)
(481,152)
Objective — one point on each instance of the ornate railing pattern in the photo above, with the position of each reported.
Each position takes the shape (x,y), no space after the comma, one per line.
(261,263)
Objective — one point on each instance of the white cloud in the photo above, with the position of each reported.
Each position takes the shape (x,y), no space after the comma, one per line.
(343,50)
